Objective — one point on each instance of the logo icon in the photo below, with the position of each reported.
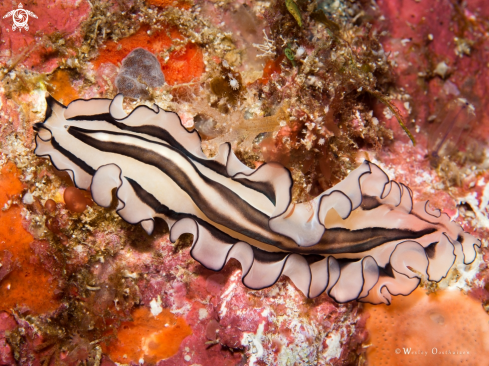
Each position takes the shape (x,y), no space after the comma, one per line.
(20,17)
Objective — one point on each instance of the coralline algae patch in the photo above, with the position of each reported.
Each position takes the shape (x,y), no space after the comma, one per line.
(7,324)
(434,51)
(24,283)
(276,326)
(443,328)
(179,66)
(232,325)
(53,18)
(148,337)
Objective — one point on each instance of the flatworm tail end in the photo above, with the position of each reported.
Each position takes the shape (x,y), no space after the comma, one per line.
(364,239)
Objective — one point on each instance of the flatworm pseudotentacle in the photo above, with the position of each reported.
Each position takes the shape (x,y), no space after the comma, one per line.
(362,239)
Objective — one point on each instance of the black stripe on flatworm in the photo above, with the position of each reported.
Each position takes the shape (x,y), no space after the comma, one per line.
(107,117)
(339,240)
(73,158)
(157,132)
(158,207)
(262,187)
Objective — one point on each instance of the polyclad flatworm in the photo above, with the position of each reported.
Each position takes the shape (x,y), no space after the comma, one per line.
(362,239)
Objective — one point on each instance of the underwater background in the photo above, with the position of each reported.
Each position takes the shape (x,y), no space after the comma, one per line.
(317,86)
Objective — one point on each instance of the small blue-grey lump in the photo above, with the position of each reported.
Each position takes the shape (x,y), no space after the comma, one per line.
(140,71)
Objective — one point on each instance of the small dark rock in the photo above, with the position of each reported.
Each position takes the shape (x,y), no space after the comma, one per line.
(140,71)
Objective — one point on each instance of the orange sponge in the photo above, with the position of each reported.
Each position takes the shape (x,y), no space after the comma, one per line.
(148,337)
(61,87)
(445,328)
(28,285)
(182,66)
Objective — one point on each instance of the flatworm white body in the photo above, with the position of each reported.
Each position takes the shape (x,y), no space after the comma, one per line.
(362,240)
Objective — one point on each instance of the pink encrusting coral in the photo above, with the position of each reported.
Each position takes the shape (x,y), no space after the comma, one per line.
(271,326)
(7,324)
(437,58)
(53,36)
(79,285)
